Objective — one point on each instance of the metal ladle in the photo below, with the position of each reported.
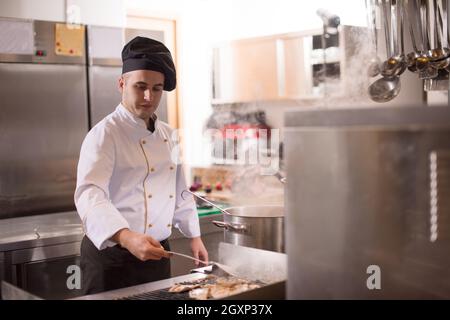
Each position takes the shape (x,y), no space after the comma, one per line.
(412,56)
(204,199)
(426,71)
(396,64)
(446,31)
(385,88)
(375,63)
(439,56)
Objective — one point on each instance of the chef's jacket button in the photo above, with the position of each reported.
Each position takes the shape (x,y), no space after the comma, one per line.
(169,225)
(149,195)
(150,225)
(165,140)
(143,141)
(171,196)
(171,167)
(152,169)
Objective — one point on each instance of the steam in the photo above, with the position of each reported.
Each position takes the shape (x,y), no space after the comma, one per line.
(351,89)
(250,187)
(252,153)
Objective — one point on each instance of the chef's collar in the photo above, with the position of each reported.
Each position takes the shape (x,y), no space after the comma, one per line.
(135,119)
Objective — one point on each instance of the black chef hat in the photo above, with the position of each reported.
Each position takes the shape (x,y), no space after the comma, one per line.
(148,54)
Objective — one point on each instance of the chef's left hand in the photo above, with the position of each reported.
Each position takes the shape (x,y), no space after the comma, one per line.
(198,250)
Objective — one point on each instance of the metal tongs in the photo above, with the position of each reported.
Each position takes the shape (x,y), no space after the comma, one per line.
(211,267)
(190,257)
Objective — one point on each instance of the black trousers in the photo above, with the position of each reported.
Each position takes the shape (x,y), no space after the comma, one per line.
(115,268)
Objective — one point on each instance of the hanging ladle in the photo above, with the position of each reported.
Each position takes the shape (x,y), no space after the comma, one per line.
(387,87)
(411,57)
(426,71)
(375,63)
(439,55)
(395,65)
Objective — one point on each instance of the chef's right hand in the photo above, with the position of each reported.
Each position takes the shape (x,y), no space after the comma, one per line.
(142,246)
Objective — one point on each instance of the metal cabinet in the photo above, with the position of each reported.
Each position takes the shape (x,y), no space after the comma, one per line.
(43,271)
(49,278)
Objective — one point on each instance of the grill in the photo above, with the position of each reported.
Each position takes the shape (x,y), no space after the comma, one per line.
(162,294)
(262,267)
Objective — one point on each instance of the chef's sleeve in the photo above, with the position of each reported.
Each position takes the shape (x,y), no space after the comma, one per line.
(101,219)
(185,217)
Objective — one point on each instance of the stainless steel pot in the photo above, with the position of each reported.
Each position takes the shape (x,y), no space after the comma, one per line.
(259,227)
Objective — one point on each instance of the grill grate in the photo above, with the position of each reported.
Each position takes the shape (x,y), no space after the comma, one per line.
(162,294)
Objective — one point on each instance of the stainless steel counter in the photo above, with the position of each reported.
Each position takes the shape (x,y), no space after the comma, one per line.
(35,252)
(50,243)
(40,230)
(48,229)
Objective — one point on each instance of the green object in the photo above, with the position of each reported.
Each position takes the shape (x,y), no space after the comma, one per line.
(209,211)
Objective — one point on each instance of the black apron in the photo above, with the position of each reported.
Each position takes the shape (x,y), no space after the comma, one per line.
(115,268)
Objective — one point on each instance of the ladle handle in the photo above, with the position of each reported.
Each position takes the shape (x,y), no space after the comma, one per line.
(372,4)
(409,22)
(401,15)
(374,23)
(387,32)
(423,24)
(418,17)
(441,25)
(232,226)
(428,27)
(394,28)
(207,201)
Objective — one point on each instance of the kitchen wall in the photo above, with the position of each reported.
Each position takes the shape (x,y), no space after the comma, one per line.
(29,9)
(99,12)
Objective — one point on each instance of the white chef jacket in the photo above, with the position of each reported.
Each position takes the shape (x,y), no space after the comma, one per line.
(127,179)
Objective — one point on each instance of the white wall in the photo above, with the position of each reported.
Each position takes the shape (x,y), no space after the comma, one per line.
(32,9)
(99,12)
(251,18)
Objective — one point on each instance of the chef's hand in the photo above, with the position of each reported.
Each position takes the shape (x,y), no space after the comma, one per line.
(198,250)
(142,246)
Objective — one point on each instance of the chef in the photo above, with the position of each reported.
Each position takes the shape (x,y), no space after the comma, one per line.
(129,188)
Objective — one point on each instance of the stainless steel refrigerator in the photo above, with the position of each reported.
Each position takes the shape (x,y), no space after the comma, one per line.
(105,67)
(43,117)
